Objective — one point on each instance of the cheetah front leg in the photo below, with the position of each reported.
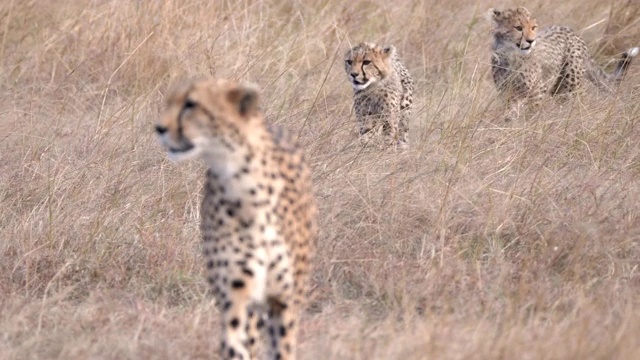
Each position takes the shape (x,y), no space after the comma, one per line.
(282,328)
(534,102)
(519,106)
(393,133)
(255,326)
(514,108)
(403,128)
(369,129)
(241,316)
(235,314)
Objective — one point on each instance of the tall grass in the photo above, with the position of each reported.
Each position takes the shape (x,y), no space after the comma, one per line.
(486,240)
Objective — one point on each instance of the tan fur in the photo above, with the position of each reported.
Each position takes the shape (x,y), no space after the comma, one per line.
(529,64)
(383,92)
(258,215)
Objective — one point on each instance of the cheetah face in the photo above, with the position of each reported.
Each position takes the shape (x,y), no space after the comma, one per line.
(367,64)
(207,118)
(513,28)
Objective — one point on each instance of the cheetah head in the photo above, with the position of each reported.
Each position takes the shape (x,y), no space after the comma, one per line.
(367,64)
(209,118)
(513,28)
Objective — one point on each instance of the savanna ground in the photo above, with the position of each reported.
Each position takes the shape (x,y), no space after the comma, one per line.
(486,240)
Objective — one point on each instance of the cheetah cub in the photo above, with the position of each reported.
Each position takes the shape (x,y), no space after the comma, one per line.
(258,215)
(528,64)
(382,92)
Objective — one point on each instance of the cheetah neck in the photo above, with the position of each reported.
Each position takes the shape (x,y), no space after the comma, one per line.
(510,59)
(224,164)
(247,172)
(226,158)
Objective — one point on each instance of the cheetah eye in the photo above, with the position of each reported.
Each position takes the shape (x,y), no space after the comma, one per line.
(519,28)
(349,62)
(534,28)
(366,62)
(189,104)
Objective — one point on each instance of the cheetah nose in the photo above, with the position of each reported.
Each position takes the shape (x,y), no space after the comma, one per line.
(161,129)
(354,75)
(529,41)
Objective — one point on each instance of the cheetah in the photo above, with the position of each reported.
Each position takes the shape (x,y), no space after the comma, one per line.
(258,214)
(382,92)
(528,65)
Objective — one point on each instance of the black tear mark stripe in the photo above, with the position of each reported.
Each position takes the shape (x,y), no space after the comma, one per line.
(189,104)
(192,104)
(374,65)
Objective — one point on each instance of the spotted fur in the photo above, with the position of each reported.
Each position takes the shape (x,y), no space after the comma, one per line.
(258,215)
(383,92)
(528,65)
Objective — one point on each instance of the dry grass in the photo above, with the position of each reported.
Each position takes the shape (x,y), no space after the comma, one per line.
(485,241)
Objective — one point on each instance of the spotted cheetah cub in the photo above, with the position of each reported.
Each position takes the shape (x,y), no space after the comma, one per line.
(528,64)
(258,215)
(382,92)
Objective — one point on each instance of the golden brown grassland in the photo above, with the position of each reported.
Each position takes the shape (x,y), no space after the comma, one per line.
(486,240)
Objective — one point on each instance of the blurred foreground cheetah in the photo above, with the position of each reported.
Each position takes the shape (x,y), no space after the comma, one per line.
(383,92)
(258,216)
(528,66)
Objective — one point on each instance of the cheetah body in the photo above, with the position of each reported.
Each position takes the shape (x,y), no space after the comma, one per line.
(258,215)
(528,65)
(383,92)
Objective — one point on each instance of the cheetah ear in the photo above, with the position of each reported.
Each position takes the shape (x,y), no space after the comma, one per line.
(493,15)
(245,98)
(523,10)
(389,51)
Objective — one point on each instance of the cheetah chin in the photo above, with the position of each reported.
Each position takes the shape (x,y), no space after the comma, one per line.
(177,155)
(361,86)
(525,50)
(184,151)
